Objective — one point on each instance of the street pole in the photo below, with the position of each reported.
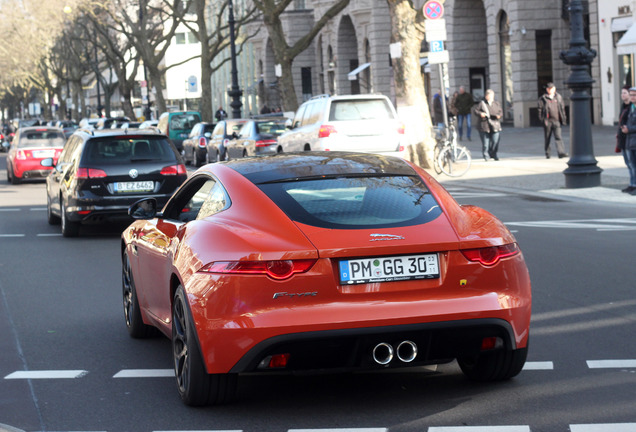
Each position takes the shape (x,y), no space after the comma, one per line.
(99,98)
(582,171)
(234,92)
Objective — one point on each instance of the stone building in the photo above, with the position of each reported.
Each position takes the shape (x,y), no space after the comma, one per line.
(511,46)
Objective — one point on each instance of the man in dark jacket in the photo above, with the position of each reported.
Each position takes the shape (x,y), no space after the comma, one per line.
(629,129)
(552,116)
(464,102)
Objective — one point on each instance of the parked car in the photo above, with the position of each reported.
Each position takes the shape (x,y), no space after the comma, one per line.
(68,126)
(30,146)
(148,124)
(195,147)
(129,125)
(110,122)
(322,261)
(361,123)
(258,137)
(89,123)
(101,173)
(224,131)
(177,125)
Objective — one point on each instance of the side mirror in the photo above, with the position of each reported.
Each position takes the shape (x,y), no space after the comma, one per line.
(288,124)
(145,208)
(48,162)
(208,135)
(234,135)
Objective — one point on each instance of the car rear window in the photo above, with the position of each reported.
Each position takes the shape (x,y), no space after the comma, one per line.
(42,139)
(271,127)
(114,150)
(184,121)
(358,202)
(361,109)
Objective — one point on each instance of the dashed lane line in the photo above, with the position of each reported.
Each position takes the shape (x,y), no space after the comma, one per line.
(611,364)
(145,373)
(47,374)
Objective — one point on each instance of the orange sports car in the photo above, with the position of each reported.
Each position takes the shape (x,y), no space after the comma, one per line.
(319,261)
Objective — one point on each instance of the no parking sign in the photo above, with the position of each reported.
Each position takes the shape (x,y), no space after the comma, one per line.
(433,9)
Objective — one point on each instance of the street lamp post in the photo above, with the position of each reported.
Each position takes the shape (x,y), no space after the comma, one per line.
(582,170)
(234,92)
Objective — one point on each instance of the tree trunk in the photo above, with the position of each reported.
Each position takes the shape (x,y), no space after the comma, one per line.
(407,29)
(155,79)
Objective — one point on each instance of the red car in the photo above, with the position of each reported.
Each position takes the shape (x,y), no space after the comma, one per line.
(30,146)
(318,261)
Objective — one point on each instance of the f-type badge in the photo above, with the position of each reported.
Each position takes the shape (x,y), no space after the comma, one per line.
(133,173)
(382,237)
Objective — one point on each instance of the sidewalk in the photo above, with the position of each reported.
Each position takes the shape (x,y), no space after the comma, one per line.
(523,167)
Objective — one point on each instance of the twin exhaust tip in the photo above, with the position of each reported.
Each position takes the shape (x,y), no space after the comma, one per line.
(383,353)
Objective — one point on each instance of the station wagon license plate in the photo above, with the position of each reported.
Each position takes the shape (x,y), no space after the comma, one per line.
(138,186)
(389,269)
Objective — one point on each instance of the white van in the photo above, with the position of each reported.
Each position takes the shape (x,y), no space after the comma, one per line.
(359,123)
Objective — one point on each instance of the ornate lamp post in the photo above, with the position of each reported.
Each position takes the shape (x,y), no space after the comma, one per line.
(582,171)
(235,92)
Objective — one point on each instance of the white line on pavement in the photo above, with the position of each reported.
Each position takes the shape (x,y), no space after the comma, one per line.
(606,364)
(607,427)
(47,374)
(546,365)
(480,429)
(11,235)
(144,373)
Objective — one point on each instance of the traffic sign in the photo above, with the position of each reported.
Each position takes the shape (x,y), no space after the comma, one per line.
(435,30)
(437,57)
(192,84)
(436,46)
(433,9)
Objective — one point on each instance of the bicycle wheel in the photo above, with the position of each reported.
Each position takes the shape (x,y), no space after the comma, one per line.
(454,161)
(436,152)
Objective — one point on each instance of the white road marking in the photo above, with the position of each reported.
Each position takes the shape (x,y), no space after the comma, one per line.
(38,209)
(9,209)
(341,430)
(47,374)
(609,364)
(144,373)
(50,235)
(604,427)
(546,365)
(479,429)
(618,224)
(11,235)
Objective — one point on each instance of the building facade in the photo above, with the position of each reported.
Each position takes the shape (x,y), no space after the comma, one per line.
(511,46)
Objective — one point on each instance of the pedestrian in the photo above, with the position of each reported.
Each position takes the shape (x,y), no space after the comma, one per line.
(438,110)
(452,108)
(629,129)
(464,104)
(552,116)
(490,113)
(220,114)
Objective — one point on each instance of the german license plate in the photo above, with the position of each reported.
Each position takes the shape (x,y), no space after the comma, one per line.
(389,269)
(41,154)
(138,186)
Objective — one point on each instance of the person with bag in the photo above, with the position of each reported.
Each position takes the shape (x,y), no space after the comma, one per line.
(489,112)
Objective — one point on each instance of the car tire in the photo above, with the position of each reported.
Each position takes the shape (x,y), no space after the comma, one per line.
(132,313)
(11,176)
(50,217)
(196,387)
(496,365)
(69,228)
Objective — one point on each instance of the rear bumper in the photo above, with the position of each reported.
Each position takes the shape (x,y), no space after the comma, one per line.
(30,169)
(106,209)
(351,349)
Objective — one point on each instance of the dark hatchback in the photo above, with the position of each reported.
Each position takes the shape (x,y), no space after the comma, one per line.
(101,173)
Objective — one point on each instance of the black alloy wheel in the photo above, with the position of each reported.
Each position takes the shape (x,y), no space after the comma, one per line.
(196,387)
(132,313)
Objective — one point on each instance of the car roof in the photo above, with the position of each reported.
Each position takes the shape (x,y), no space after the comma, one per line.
(290,166)
(117,132)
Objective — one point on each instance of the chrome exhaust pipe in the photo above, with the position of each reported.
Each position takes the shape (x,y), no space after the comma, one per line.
(406,351)
(383,353)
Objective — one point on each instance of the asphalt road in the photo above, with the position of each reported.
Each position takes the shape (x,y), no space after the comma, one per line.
(61,317)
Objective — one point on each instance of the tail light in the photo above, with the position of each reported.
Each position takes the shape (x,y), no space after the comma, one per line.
(265,143)
(401,129)
(203,143)
(85,173)
(491,255)
(326,130)
(174,170)
(21,155)
(278,270)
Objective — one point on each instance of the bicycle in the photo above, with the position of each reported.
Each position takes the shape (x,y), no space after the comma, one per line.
(450,158)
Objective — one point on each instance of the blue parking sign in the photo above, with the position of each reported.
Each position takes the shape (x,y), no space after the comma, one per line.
(436,46)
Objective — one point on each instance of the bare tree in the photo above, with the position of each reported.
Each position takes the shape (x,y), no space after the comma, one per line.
(212,31)
(284,53)
(407,29)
